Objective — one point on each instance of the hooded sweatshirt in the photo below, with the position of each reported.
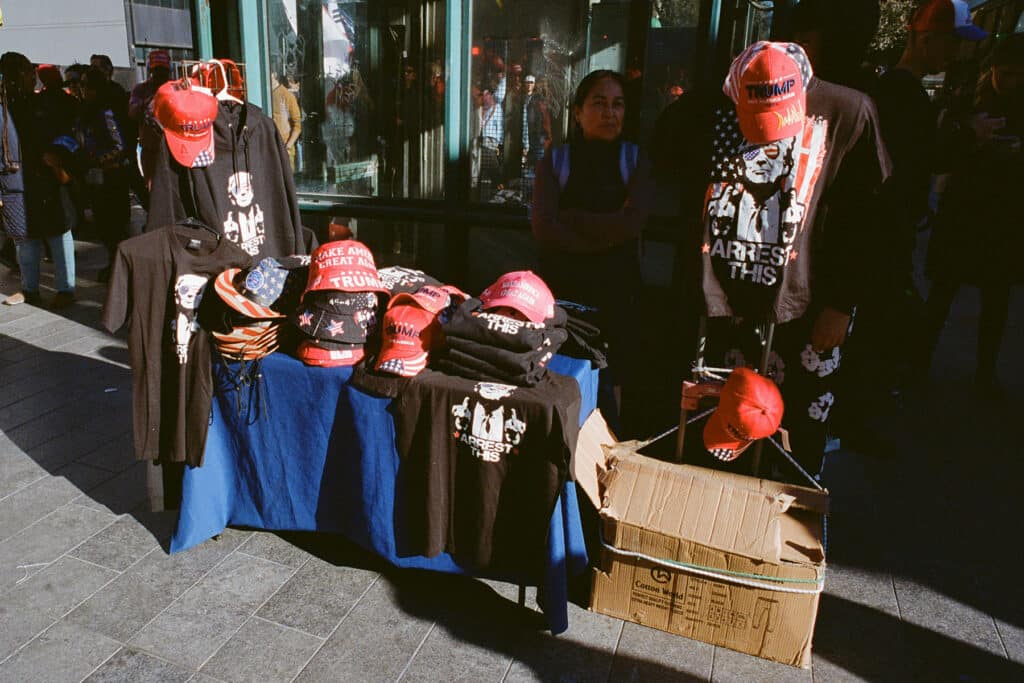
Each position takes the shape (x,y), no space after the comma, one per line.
(247,193)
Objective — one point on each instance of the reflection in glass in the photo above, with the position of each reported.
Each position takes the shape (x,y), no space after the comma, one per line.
(372,116)
(526,58)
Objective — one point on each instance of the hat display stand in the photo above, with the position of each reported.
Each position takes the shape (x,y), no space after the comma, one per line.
(224,78)
(706,383)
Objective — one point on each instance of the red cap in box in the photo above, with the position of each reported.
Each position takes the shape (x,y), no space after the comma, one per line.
(768,83)
(749,408)
(346,266)
(158,58)
(186,116)
(523,291)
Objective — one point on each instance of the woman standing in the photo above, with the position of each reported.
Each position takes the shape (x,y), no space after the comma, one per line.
(48,212)
(107,155)
(591,200)
(979,232)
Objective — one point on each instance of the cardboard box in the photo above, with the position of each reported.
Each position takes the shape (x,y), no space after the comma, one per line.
(728,559)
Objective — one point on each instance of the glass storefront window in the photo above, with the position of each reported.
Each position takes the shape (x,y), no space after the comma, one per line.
(527,57)
(670,62)
(365,82)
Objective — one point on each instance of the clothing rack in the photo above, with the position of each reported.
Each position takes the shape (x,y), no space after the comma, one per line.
(213,73)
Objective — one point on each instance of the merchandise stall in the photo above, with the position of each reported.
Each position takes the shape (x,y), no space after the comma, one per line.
(285,386)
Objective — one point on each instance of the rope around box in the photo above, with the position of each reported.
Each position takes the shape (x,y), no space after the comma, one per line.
(740,578)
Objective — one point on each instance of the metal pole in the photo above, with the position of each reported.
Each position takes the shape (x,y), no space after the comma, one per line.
(767,339)
(702,342)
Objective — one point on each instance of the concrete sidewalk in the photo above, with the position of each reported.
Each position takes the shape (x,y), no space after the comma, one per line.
(923,553)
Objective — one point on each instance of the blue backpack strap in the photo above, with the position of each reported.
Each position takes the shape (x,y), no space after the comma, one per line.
(560,165)
(627,160)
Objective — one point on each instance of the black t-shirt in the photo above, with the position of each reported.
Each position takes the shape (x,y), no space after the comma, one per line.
(482,466)
(156,285)
(787,222)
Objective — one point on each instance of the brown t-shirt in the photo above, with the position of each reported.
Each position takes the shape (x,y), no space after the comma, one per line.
(156,284)
(784,223)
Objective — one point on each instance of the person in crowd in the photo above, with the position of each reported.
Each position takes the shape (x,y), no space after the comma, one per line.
(490,125)
(781,231)
(286,113)
(536,123)
(587,230)
(836,37)
(408,124)
(107,154)
(977,235)
(48,211)
(57,107)
(73,80)
(139,108)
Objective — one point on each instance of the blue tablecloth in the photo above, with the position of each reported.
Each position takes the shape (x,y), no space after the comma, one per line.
(310,452)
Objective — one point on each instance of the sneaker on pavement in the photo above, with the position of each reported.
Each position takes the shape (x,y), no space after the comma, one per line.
(62,300)
(23,298)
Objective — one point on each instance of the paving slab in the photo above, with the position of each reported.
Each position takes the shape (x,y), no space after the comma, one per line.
(63,653)
(583,653)
(41,544)
(197,624)
(271,546)
(648,655)
(17,471)
(136,597)
(130,665)
(730,666)
(32,503)
(119,545)
(32,606)
(317,597)
(262,651)
(374,642)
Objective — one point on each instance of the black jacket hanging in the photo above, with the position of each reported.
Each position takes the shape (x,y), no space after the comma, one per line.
(247,193)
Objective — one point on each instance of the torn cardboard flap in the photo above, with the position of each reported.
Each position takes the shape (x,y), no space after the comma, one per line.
(752,517)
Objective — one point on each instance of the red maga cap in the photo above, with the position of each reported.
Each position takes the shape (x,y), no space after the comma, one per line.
(749,408)
(523,291)
(346,266)
(411,330)
(186,116)
(768,83)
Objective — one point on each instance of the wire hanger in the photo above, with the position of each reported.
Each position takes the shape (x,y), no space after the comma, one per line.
(192,222)
(223,95)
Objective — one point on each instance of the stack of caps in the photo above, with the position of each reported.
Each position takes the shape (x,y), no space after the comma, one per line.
(412,328)
(507,335)
(245,319)
(398,279)
(339,307)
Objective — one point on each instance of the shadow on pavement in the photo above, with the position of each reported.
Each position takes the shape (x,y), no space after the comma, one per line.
(71,414)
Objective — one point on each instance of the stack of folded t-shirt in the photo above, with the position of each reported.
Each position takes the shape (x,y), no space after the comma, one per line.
(244,319)
(507,335)
(338,314)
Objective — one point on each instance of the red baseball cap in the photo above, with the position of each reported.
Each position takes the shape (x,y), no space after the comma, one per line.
(768,83)
(158,58)
(410,331)
(523,291)
(947,16)
(749,408)
(344,265)
(186,116)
